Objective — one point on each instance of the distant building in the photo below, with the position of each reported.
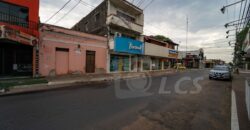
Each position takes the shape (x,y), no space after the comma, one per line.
(192,59)
(210,63)
(19,22)
(122,23)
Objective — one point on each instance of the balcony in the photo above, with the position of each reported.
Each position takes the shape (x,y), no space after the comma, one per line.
(20,24)
(121,22)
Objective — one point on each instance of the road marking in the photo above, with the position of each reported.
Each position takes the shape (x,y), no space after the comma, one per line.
(234,115)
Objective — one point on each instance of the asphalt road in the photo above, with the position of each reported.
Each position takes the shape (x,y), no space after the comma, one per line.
(181,101)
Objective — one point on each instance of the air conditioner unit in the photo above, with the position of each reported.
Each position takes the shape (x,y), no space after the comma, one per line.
(117,34)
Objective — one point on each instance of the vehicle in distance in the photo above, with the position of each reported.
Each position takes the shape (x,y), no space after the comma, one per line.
(220,72)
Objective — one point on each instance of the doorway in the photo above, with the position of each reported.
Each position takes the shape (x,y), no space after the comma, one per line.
(62,61)
(90,61)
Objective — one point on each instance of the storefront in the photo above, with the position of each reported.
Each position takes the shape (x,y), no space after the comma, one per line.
(173,57)
(16,52)
(159,57)
(127,55)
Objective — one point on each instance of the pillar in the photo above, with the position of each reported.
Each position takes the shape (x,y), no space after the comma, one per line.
(162,65)
(130,63)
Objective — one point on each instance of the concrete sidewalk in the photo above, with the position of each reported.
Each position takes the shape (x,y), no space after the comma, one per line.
(238,85)
(71,81)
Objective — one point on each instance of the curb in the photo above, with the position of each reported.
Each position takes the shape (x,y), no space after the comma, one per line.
(57,85)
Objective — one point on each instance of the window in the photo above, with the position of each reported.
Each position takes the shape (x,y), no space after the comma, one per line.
(13,14)
(97,17)
(125,16)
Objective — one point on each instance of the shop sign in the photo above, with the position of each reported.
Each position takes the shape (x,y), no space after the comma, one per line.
(173,54)
(127,45)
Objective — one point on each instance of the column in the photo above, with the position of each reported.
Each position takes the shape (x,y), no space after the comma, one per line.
(108,61)
(150,63)
(136,65)
(130,63)
(141,65)
(162,65)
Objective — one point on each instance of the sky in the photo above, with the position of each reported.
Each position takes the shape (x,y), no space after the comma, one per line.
(166,17)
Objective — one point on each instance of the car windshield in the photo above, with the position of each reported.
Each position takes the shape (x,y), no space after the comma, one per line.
(220,68)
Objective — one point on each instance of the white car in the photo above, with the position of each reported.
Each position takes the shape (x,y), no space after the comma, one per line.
(220,72)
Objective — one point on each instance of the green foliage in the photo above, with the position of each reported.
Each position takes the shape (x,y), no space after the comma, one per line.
(240,37)
(162,38)
(17,82)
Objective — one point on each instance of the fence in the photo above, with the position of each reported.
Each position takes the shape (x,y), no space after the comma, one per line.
(27,26)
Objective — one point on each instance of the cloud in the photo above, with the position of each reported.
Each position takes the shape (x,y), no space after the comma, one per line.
(165,17)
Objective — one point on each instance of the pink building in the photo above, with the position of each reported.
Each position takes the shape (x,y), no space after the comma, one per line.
(64,51)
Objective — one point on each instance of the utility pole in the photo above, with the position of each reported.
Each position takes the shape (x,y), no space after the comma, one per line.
(187,36)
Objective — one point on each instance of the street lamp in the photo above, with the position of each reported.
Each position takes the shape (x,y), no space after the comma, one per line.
(229,36)
(232,30)
(224,7)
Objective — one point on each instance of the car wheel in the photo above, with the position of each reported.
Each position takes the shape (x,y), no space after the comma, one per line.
(210,78)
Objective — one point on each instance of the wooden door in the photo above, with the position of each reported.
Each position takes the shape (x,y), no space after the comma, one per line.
(62,61)
(90,61)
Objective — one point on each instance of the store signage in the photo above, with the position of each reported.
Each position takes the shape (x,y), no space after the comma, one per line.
(127,45)
(133,47)
(173,52)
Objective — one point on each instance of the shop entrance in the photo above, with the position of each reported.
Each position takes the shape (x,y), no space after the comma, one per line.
(15,59)
(119,63)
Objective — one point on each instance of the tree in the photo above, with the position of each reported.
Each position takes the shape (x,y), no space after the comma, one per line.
(238,53)
(162,38)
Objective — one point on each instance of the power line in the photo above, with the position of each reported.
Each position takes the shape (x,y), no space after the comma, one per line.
(148,4)
(68,12)
(132,1)
(58,11)
(87,4)
(247,15)
(237,26)
(244,12)
(139,2)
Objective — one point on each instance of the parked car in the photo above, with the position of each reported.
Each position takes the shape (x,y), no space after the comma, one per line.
(220,72)
(180,66)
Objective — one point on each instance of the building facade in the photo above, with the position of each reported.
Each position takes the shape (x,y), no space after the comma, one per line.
(159,55)
(246,50)
(64,51)
(19,37)
(192,59)
(210,63)
(122,23)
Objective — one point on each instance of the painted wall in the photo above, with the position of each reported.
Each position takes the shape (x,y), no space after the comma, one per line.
(33,6)
(77,43)
(155,50)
